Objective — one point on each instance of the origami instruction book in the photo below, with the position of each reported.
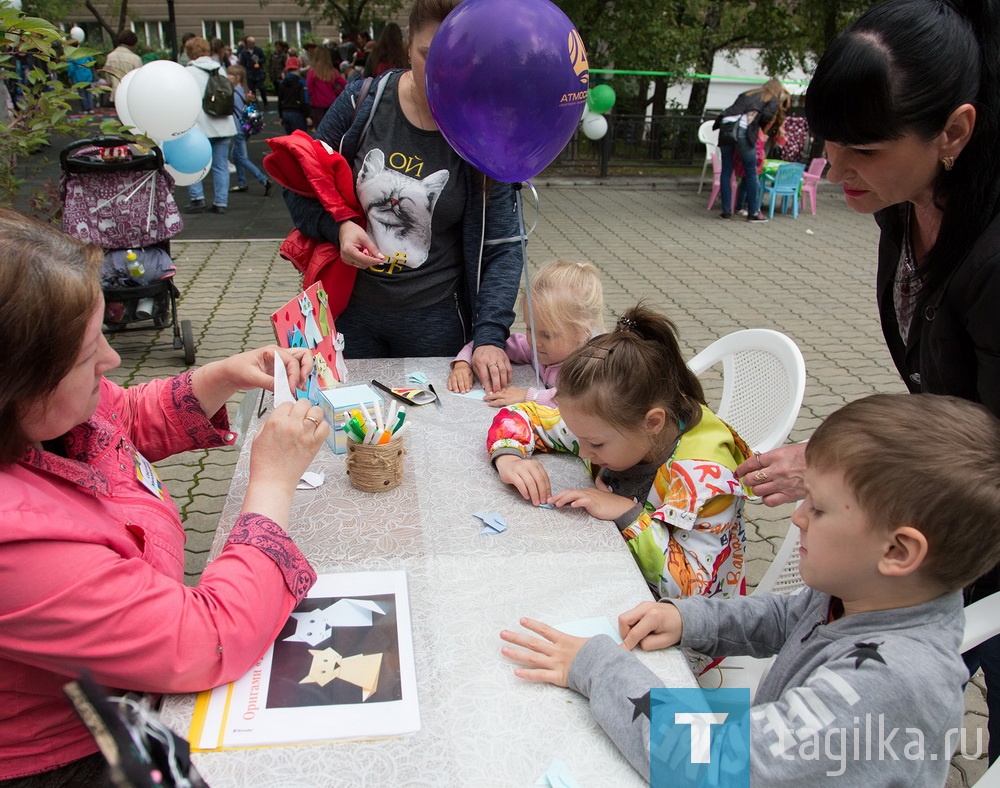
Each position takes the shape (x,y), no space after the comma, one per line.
(341,668)
(305,322)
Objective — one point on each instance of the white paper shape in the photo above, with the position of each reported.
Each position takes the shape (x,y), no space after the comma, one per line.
(282,391)
(311,628)
(310,480)
(351,613)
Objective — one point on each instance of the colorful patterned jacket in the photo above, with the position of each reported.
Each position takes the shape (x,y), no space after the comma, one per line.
(688,538)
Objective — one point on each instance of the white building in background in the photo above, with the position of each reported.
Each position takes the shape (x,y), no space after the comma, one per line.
(724,88)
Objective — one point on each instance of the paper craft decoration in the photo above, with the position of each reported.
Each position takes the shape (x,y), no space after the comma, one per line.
(352,613)
(493,521)
(557,775)
(304,322)
(341,668)
(310,480)
(360,670)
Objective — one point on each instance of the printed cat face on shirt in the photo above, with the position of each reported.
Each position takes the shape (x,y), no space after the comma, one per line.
(399,209)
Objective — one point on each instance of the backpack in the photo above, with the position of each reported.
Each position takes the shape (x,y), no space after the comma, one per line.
(218,99)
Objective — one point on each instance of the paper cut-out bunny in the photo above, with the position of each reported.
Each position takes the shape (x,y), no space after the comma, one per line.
(312,332)
(338,346)
(324,311)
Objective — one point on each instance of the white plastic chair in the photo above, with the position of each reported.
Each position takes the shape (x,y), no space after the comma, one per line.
(764,378)
(709,137)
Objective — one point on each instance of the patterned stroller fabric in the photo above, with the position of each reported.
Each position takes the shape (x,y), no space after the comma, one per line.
(121,203)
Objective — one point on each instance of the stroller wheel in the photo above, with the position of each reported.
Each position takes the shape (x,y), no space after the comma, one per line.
(188,338)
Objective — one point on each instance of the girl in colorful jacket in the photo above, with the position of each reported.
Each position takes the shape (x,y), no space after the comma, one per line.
(664,463)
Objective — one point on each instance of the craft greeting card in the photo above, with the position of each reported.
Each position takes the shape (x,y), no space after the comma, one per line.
(305,322)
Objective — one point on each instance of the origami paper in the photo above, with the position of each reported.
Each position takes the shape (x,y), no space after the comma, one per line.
(493,521)
(588,627)
(351,613)
(361,670)
(311,628)
(282,391)
(310,480)
(557,776)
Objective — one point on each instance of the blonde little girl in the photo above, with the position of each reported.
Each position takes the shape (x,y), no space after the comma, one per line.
(664,463)
(567,301)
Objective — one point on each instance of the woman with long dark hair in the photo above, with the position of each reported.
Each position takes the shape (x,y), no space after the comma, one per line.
(908,100)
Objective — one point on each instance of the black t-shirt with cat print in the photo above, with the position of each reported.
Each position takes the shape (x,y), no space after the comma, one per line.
(411,186)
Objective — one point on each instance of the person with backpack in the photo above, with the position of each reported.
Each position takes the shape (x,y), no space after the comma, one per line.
(216,121)
(293,98)
(248,121)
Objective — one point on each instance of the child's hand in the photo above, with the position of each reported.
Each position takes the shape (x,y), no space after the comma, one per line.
(549,659)
(598,503)
(528,476)
(509,396)
(460,379)
(651,626)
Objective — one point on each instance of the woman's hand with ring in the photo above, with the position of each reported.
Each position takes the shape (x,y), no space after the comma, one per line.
(492,367)
(776,476)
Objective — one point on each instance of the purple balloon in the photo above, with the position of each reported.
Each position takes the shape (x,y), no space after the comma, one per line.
(507,84)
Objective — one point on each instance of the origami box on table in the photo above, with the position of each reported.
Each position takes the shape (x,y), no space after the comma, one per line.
(337,404)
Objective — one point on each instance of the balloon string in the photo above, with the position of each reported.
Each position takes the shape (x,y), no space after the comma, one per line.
(527,282)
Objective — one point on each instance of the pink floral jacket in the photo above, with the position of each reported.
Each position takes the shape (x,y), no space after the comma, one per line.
(92,575)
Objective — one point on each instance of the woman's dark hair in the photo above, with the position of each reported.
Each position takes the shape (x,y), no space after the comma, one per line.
(903,68)
(48,291)
(389,49)
(620,376)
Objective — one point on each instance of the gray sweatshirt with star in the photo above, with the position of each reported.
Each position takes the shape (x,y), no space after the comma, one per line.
(827,709)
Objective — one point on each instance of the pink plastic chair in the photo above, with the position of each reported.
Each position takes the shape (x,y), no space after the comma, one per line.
(717,182)
(811,179)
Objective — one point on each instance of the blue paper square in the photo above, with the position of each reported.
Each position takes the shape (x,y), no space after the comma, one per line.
(699,738)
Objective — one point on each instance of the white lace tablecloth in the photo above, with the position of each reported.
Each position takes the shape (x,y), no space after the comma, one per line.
(480,725)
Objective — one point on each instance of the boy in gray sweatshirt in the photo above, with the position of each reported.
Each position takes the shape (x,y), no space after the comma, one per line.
(902,510)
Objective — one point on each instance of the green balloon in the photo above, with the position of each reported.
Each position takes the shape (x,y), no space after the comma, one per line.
(601,98)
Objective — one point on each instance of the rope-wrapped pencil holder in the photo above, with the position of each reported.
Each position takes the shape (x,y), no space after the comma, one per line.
(375,468)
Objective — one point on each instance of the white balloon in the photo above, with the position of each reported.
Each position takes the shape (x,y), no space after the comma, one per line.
(589,113)
(595,126)
(15,4)
(185,178)
(76,33)
(121,100)
(164,99)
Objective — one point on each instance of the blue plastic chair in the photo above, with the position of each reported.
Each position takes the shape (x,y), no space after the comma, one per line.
(786,184)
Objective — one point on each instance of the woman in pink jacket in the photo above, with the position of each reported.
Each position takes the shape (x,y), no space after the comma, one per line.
(91,544)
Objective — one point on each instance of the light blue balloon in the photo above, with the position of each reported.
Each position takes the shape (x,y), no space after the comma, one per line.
(189,153)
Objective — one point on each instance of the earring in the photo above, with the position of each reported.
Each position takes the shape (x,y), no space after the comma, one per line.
(948,162)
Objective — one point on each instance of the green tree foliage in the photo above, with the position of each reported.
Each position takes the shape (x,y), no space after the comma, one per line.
(42,112)
(350,15)
(683,37)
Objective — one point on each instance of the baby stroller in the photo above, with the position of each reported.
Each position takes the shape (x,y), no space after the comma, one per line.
(117,195)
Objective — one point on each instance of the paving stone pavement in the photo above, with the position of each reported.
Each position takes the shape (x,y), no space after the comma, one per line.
(811,278)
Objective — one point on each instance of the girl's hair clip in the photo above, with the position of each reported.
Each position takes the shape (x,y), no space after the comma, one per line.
(625,324)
